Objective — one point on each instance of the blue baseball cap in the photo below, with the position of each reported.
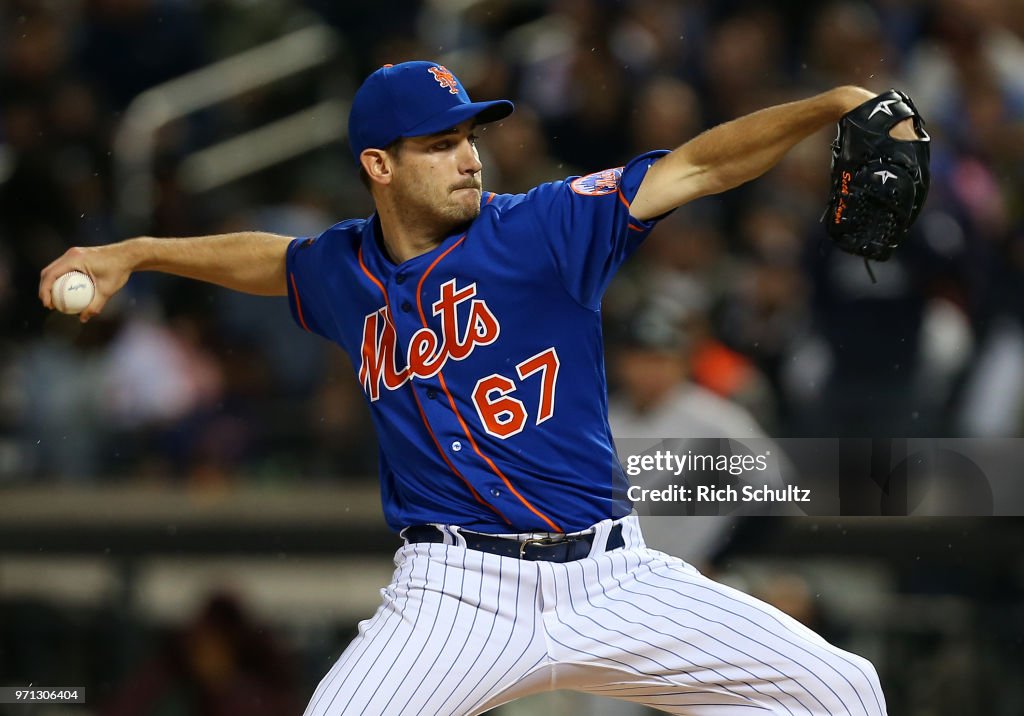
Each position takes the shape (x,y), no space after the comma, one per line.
(413,99)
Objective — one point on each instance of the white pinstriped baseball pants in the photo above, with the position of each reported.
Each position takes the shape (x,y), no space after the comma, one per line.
(462,631)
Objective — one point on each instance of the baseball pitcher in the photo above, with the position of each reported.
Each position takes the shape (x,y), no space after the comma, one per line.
(473,321)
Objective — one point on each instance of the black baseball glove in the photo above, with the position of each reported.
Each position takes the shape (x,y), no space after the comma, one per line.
(878,183)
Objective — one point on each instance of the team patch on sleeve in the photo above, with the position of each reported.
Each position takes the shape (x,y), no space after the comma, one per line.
(598,183)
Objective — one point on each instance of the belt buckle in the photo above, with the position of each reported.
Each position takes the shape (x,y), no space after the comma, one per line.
(544,541)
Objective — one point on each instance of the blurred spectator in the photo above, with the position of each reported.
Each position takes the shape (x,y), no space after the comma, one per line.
(576,84)
(744,64)
(54,388)
(155,374)
(660,36)
(127,46)
(666,113)
(764,313)
(516,154)
(870,388)
(658,403)
(339,424)
(220,664)
(656,397)
(847,46)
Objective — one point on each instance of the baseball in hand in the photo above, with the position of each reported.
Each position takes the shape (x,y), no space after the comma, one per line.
(72,292)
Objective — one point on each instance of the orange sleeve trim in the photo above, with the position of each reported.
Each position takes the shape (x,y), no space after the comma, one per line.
(298,302)
(455,409)
(622,198)
(634,227)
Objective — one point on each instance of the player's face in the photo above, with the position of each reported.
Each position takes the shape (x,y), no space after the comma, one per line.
(438,177)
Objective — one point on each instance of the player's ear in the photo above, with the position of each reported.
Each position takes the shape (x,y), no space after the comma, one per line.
(378,165)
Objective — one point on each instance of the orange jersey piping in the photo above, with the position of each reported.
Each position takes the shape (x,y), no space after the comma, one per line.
(423,415)
(451,401)
(298,302)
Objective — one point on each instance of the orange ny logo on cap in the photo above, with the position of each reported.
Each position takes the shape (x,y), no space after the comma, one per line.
(445,78)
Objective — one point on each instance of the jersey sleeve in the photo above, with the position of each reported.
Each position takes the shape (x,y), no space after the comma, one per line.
(304,262)
(586,227)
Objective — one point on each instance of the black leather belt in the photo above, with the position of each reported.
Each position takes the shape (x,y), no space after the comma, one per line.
(548,549)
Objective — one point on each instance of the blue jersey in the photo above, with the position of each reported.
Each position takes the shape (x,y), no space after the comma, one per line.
(482,359)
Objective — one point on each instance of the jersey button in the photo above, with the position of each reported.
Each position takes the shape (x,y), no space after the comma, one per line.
(406,306)
(431,393)
(400,279)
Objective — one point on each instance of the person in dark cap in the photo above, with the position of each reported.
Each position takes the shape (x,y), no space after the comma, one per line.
(657,398)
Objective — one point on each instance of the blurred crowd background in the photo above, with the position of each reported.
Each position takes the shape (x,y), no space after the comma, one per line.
(181,381)
(736,314)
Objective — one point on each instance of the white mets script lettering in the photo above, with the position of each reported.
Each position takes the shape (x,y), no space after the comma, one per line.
(427,352)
